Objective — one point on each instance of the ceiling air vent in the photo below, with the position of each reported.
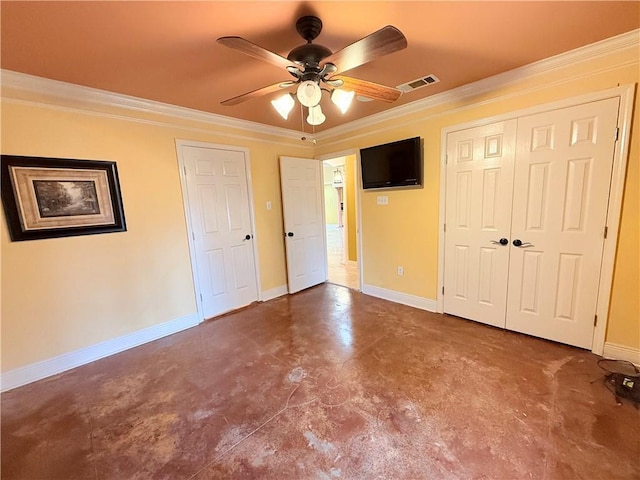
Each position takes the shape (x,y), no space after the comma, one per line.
(418,83)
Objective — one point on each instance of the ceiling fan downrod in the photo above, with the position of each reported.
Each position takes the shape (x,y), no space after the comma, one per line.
(310,54)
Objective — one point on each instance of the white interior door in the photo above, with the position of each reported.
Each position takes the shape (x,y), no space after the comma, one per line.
(303,210)
(220,219)
(561,188)
(478,215)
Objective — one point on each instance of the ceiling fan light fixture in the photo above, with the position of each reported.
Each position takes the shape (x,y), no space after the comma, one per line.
(284,105)
(309,93)
(342,99)
(315,117)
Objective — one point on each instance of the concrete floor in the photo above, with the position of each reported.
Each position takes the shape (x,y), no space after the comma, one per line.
(326,384)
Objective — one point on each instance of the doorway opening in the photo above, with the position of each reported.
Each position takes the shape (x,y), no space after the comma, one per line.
(339,179)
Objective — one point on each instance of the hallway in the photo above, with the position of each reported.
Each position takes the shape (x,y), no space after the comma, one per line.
(341,271)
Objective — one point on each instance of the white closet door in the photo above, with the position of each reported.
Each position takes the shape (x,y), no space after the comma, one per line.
(561,189)
(478,215)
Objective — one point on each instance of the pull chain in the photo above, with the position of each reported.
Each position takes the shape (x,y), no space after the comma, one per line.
(302,122)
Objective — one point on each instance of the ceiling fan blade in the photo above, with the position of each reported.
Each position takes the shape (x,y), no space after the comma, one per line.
(256,51)
(382,42)
(369,89)
(255,93)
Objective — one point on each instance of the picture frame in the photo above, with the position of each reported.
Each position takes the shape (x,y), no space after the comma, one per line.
(59,197)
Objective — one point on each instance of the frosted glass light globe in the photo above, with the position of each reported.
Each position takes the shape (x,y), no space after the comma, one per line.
(309,93)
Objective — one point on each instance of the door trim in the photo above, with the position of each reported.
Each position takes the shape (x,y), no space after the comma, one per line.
(358,182)
(621,156)
(188,220)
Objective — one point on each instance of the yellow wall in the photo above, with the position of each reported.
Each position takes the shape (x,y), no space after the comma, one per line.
(624,312)
(351,185)
(405,232)
(60,295)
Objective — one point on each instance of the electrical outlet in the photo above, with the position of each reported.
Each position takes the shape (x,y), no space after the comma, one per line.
(268,204)
(382,200)
(400,271)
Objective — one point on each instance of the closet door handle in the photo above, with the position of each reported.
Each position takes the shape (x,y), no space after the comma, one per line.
(502,241)
(519,243)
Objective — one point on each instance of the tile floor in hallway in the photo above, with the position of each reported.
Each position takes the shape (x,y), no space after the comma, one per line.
(328,383)
(341,272)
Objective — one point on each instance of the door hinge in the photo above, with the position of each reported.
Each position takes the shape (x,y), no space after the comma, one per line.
(446,159)
(606,230)
(184,167)
(201,299)
(445,227)
(595,320)
(443,289)
(193,235)
(617,134)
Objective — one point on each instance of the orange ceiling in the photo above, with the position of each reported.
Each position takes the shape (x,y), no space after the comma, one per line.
(167,51)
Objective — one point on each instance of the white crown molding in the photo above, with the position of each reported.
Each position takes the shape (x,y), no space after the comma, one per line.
(629,40)
(81,97)
(53,366)
(165,124)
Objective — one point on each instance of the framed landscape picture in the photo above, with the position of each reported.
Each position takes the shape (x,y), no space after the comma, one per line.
(56,197)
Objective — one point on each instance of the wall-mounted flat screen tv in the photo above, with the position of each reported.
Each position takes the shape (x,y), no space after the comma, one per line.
(396,164)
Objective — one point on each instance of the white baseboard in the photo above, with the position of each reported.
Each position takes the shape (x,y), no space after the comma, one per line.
(272,293)
(403,298)
(621,352)
(53,366)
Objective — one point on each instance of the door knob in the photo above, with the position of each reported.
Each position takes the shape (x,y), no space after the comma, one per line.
(519,243)
(247,237)
(502,241)
(289,234)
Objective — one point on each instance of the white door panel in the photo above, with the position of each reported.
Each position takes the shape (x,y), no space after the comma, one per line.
(215,265)
(219,209)
(563,169)
(478,213)
(301,181)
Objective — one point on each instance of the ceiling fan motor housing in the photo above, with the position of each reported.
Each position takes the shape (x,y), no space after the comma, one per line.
(309,55)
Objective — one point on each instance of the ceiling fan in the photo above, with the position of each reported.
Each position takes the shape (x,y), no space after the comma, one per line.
(315,68)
